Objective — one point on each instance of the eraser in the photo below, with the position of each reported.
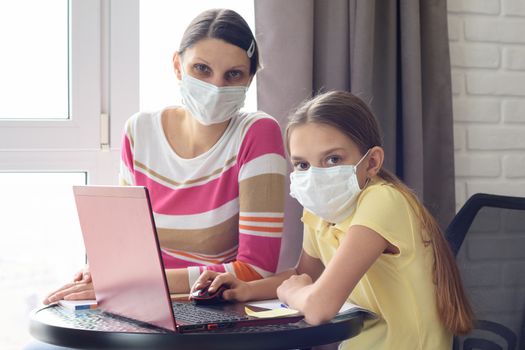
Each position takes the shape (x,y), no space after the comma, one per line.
(78,304)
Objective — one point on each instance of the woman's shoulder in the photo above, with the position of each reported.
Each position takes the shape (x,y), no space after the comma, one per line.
(145,120)
(257,123)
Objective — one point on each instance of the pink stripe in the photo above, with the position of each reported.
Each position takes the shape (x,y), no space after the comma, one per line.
(263,137)
(259,251)
(171,262)
(196,199)
(125,154)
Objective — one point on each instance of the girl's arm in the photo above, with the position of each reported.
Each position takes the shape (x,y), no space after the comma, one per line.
(321,300)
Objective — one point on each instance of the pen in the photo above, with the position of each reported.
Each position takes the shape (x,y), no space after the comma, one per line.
(284,305)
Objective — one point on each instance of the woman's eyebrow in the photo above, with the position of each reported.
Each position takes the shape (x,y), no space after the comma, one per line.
(203,60)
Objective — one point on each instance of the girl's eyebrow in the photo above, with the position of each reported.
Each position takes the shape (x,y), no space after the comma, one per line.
(332,150)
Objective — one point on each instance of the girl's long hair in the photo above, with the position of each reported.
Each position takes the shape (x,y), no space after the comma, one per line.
(350,115)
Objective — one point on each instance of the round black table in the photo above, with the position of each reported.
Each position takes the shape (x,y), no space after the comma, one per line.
(94,329)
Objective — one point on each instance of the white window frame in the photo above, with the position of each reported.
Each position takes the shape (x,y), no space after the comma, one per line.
(86,142)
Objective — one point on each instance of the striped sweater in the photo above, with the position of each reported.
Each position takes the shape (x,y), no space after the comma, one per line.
(222,210)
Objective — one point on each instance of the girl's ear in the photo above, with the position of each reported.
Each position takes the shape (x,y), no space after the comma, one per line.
(177,65)
(376,156)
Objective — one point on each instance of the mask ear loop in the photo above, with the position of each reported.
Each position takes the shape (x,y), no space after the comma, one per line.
(360,160)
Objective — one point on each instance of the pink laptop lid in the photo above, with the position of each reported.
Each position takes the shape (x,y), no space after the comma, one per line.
(123,254)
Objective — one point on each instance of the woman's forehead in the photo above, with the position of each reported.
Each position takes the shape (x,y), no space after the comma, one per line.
(217,51)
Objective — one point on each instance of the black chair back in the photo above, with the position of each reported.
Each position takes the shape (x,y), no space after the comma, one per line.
(491,258)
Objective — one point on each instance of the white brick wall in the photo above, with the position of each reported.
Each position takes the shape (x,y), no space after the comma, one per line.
(487,54)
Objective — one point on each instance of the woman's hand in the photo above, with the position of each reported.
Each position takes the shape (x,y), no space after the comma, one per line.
(80,288)
(237,290)
(287,290)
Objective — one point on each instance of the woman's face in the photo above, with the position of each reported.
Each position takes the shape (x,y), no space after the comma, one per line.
(216,62)
(322,146)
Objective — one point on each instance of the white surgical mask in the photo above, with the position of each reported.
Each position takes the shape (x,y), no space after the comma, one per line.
(208,103)
(329,193)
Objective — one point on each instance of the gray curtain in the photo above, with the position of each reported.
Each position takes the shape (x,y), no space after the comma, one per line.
(393,54)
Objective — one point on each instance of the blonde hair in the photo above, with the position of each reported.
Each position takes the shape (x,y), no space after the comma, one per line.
(350,115)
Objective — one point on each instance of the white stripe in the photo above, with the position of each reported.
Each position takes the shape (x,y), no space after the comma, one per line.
(261,224)
(229,268)
(193,274)
(261,272)
(262,214)
(270,163)
(198,221)
(261,234)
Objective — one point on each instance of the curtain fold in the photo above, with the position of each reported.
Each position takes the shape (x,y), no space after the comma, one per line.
(392,54)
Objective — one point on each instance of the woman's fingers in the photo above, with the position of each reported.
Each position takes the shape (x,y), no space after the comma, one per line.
(221,279)
(86,294)
(204,280)
(70,289)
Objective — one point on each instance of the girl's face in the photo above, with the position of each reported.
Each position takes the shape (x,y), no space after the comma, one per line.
(216,62)
(322,146)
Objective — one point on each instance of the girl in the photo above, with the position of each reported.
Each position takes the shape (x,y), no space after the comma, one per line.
(215,175)
(366,237)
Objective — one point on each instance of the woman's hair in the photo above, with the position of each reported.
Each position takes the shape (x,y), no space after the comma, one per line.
(350,115)
(226,25)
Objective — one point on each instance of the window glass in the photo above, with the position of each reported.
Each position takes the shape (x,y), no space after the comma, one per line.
(162,23)
(34,59)
(41,245)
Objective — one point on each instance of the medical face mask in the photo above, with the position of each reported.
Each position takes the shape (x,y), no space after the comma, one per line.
(208,103)
(329,193)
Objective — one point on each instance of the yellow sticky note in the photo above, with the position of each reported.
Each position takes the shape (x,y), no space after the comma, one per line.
(270,313)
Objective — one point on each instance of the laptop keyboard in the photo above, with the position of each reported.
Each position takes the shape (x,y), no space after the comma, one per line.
(197,315)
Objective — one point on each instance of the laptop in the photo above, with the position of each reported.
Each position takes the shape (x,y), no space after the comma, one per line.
(126,266)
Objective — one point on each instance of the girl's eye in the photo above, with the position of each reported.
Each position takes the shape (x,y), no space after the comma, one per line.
(301,166)
(333,160)
(233,75)
(201,68)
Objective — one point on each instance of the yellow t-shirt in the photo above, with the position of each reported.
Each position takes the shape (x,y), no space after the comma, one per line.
(398,287)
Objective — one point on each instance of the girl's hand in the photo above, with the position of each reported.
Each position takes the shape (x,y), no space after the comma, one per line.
(237,290)
(288,288)
(80,288)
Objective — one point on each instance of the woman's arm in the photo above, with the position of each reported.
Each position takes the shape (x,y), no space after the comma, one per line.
(259,289)
(321,300)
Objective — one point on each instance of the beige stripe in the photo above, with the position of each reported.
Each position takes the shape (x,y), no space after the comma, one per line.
(262,193)
(213,240)
(189,182)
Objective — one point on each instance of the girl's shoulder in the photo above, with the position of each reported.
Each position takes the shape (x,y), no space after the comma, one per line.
(381,191)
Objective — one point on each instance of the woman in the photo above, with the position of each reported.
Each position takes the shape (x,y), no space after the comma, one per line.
(215,175)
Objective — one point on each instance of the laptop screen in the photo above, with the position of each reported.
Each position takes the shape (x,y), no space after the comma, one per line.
(123,253)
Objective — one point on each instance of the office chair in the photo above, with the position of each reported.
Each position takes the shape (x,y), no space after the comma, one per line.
(492,262)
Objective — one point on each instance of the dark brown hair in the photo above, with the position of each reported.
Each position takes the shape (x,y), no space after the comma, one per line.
(225,25)
(351,116)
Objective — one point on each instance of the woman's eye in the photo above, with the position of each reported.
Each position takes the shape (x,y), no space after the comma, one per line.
(234,75)
(201,68)
(301,166)
(333,160)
